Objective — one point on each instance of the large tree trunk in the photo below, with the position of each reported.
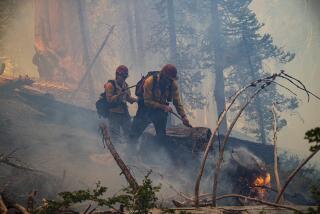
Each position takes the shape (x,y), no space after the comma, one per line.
(258,105)
(59,42)
(129,17)
(172,43)
(139,35)
(215,41)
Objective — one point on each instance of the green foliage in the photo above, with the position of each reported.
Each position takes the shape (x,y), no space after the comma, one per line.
(313,135)
(140,201)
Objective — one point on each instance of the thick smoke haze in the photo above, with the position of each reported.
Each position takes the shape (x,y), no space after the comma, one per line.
(294,25)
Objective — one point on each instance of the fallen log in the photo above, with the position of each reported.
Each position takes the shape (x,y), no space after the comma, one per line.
(187,139)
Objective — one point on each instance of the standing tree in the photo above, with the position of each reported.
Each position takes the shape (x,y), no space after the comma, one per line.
(241,27)
(173,36)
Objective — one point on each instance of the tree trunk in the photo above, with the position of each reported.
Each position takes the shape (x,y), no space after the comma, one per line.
(172,44)
(132,52)
(86,44)
(215,41)
(59,48)
(258,105)
(139,35)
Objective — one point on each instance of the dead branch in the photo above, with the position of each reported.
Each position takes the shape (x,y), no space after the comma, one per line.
(293,174)
(288,89)
(7,159)
(211,141)
(20,208)
(275,155)
(87,209)
(3,207)
(225,140)
(266,81)
(106,138)
(259,201)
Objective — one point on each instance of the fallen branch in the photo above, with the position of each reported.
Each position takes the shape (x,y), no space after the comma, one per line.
(7,159)
(291,176)
(106,138)
(259,201)
(87,209)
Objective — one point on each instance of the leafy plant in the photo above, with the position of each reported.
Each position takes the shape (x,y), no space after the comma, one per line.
(313,135)
(140,201)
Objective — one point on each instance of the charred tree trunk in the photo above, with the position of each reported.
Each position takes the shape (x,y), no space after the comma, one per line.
(58,46)
(215,41)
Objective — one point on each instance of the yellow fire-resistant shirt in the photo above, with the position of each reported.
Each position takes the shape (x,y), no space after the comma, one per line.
(158,100)
(112,97)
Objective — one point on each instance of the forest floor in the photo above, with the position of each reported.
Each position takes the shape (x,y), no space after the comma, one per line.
(67,148)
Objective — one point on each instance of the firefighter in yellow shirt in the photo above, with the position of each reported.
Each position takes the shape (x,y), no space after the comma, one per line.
(158,91)
(118,95)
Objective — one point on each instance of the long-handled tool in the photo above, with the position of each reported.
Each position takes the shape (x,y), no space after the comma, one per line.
(177,116)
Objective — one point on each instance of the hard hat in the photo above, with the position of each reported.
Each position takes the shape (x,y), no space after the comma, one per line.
(122,70)
(169,71)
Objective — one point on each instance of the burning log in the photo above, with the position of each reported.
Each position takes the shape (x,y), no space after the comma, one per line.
(252,177)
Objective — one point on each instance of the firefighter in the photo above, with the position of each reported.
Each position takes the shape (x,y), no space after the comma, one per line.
(158,91)
(118,95)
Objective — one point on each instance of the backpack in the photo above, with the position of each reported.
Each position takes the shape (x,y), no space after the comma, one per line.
(102,105)
(139,87)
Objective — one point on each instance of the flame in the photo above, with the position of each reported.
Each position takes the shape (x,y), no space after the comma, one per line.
(260,184)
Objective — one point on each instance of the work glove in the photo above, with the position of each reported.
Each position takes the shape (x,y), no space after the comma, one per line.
(186,122)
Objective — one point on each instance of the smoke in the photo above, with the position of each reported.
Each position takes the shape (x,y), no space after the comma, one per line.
(16,48)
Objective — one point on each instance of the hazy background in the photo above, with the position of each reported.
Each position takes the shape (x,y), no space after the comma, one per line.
(294,25)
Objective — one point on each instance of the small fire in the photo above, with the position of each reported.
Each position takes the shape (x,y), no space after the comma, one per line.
(260,185)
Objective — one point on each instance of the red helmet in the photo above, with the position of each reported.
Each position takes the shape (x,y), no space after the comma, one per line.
(122,70)
(169,71)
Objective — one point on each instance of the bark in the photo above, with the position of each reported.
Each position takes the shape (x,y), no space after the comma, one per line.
(106,138)
(219,94)
(192,139)
(275,155)
(139,35)
(58,46)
